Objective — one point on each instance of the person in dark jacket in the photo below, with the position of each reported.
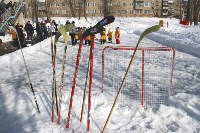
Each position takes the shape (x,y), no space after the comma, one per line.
(2,7)
(29,30)
(72,34)
(21,36)
(67,22)
(9,5)
(17,26)
(44,30)
(39,32)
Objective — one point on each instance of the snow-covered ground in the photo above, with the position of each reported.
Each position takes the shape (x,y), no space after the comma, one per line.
(18,112)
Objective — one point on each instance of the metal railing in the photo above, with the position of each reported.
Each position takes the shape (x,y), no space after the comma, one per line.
(9,14)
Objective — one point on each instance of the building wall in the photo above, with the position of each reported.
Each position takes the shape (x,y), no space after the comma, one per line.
(120,8)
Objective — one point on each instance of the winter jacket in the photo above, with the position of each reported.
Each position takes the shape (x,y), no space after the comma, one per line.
(88,38)
(52,28)
(103,35)
(2,6)
(109,34)
(29,29)
(117,34)
(76,35)
(14,35)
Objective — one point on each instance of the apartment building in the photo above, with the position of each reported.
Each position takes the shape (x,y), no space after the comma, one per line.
(121,8)
(118,8)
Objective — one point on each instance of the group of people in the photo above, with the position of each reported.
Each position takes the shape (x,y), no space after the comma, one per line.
(75,34)
(44,31)
(109,35)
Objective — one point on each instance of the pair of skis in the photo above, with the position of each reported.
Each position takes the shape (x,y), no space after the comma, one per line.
(91,31)
(61,31)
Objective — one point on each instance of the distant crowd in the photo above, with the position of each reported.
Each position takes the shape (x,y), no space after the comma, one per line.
(43,30)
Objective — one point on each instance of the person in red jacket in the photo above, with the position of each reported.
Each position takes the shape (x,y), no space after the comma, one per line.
(117,35)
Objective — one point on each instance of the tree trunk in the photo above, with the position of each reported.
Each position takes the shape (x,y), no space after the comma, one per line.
(105,8)
(85,10)
(47,11)
(71,8)
(36,11)
(188,10)
(191,12)
(79,9)
(196,11)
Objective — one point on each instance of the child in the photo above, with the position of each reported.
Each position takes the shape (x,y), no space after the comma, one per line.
(109,36)
(117,35)
(103,36)
(76,37)
(88,40)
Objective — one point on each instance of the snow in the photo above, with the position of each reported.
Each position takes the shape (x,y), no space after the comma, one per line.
(17,106)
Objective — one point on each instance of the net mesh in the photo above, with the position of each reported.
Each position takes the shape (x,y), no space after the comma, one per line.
(148,81)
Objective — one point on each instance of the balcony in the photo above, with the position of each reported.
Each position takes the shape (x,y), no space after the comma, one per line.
(139,6)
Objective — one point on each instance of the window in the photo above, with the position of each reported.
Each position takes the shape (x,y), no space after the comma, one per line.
(147,11)
(147,4)
(51,5)
(57,4)
(94,11)
(100,4)
(118,4)
(123,11)
(63,4)
(117,11)
(87,11)
(138,11)
(131,4)
(94,4)
(57,11)
(63,12)
(124,4)
(100,11)
(87,4)
(131,11)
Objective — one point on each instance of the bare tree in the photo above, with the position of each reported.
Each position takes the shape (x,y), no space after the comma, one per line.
(72,7)
(36,10)
(196,11)
(105,3)
(84,9)
(48,3)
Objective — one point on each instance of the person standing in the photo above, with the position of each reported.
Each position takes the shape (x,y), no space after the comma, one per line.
(52,29)
(29,30)
(72,34)
(109,36)
(44,30)
(103,36)
(39,32)
(117,35)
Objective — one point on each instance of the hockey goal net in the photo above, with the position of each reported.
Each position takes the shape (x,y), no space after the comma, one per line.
(149,81)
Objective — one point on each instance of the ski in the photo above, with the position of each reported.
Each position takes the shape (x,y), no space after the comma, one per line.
(146,32)
(91,31)
(63,30)
(27,72)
